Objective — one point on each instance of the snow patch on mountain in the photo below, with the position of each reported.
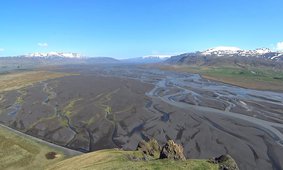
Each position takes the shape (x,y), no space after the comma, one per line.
(262,50)
(162,57)
(221,50)
(55,54)
(230,51)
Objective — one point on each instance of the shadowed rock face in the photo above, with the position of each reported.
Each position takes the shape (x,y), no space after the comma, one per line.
(171,150)
(174,151)
(150,148)
(226,162)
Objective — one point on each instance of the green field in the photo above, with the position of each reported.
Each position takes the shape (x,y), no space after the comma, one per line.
(19,80)
(255,78)
(251,74)
(18,152)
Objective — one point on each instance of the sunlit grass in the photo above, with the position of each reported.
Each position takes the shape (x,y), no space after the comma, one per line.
(250,77)
(18,152)
(117,159)
(15,81)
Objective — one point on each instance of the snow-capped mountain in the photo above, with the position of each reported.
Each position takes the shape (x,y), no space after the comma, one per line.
(232,56)
(160,57)
(55,55)
(221,51)
(265,53)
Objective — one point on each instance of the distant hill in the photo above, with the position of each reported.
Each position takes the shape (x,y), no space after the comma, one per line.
(230,56)
(75,57)
(54,55)
(260,69)
(102,60)
(37,60)
(147,59)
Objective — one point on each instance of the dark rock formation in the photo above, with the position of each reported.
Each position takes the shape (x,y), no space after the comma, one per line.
(226,162)
(150,148)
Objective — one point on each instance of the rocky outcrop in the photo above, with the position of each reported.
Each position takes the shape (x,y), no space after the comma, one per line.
(226,162)
(150,148)
(171,150)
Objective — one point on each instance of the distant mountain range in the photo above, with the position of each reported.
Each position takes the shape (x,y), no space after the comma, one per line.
(218,56)
(230,56)
(101,60)
(64,55)
(147,59)
(49,59)
(233,51)
(55,55)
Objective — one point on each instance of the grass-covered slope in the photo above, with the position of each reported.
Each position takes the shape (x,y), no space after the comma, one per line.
(118,159)
(18,80)
(19,151)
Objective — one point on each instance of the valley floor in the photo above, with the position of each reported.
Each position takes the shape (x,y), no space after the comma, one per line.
(100,107)
(253,78)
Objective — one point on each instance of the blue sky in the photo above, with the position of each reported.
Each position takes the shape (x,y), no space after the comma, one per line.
(133,28)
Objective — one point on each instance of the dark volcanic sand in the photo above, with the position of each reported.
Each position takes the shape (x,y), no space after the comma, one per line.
(117,106)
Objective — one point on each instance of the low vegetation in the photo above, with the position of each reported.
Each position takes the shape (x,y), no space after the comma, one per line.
(255,78)
(18,80)
(149,155)
(118,159)
(17,152)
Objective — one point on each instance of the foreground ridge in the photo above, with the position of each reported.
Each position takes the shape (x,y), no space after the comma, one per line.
(149,155)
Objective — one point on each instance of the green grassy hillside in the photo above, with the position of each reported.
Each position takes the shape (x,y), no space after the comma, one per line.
(19,151)
(22,152)
(118,159)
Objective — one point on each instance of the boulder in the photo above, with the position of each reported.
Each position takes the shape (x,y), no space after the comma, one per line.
(171,150)
(226,162)
(150,148)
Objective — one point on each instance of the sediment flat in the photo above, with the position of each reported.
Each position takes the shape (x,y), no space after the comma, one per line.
(116,106)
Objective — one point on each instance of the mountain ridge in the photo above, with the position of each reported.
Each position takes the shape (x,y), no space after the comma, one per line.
(55,54)
(147,59)
(241,58)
